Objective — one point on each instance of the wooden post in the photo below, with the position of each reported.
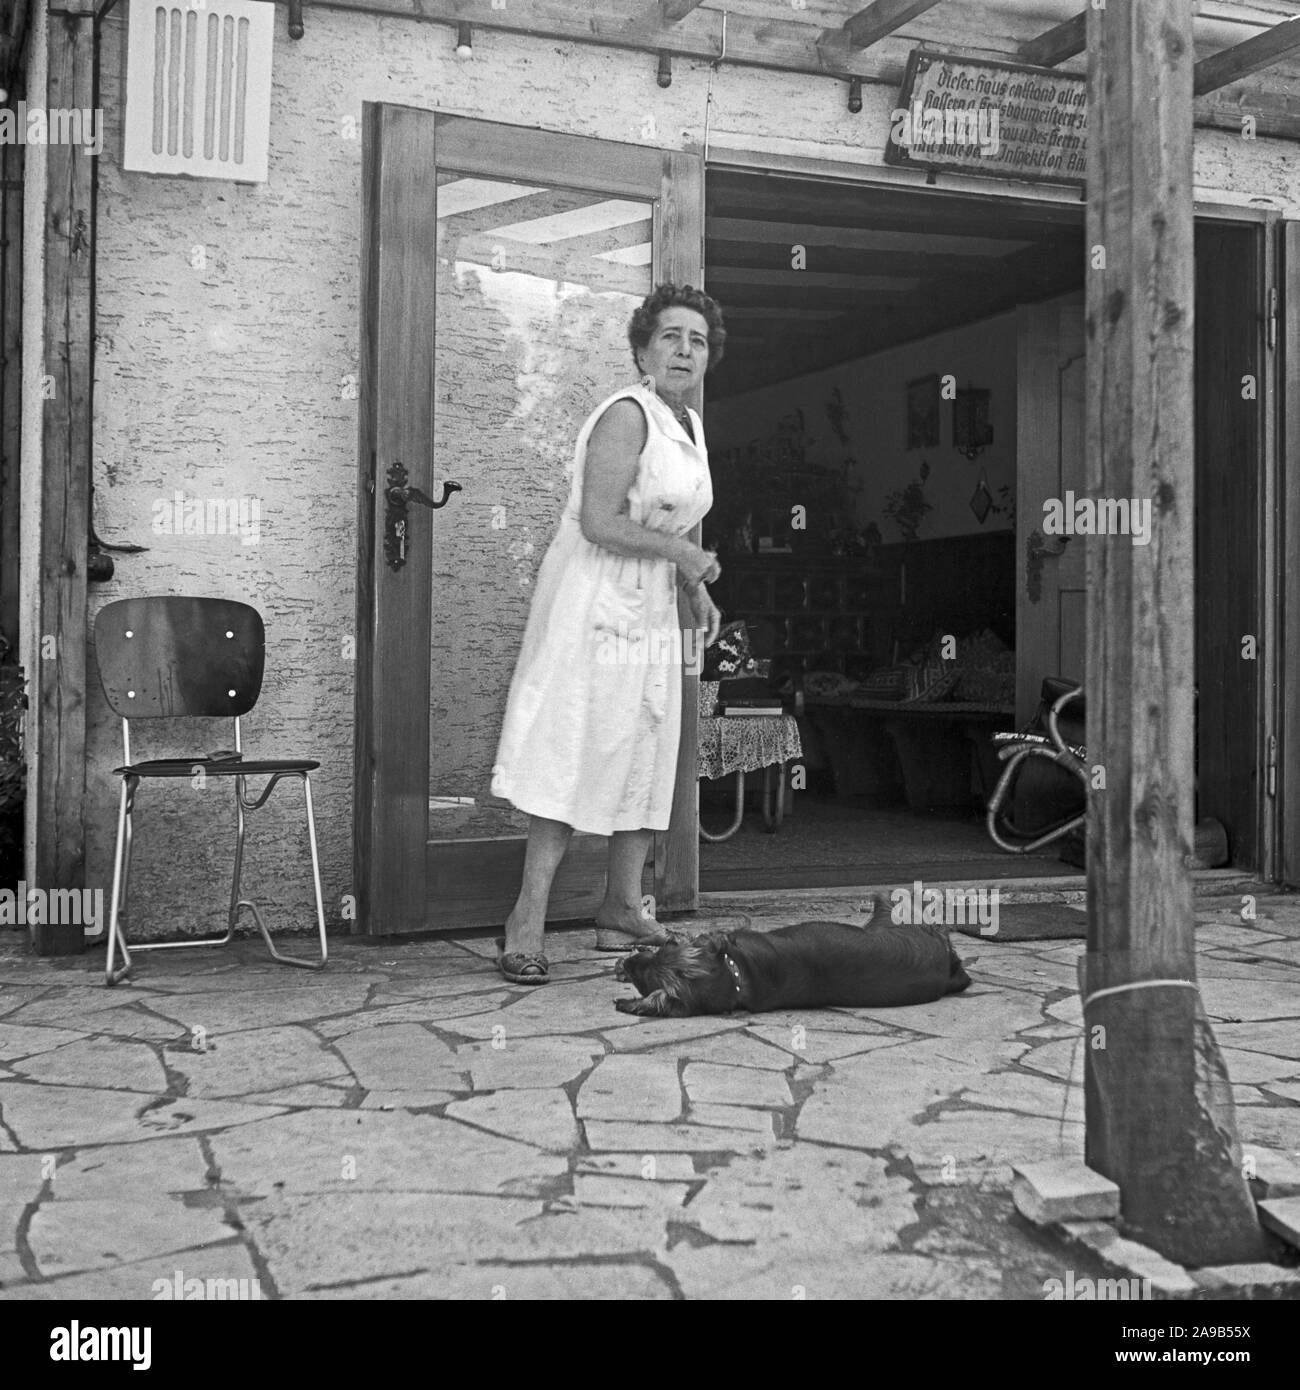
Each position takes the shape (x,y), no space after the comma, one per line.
(58,684)
(1153,1125)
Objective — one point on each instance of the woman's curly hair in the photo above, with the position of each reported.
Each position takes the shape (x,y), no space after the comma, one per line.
(668,296)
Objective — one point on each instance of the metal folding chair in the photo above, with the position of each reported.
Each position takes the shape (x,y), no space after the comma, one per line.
(1014,749)
(164,658)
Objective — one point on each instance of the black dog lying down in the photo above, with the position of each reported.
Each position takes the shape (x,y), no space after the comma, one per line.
(806,966)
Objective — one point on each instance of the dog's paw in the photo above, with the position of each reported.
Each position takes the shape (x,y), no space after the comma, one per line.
(626,1006)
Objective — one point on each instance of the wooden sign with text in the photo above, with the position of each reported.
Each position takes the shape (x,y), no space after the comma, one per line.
(1004,120)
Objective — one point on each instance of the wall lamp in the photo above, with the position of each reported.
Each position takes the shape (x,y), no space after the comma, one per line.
(855,95)
(665,74)
(464,41)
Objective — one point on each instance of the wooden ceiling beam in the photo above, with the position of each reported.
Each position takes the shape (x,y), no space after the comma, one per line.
(811,279)
(878,20)
(1246,58)
(857,238)
(752,39)
(1056,45)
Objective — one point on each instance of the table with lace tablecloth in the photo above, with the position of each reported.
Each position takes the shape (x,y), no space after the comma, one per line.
(747,743)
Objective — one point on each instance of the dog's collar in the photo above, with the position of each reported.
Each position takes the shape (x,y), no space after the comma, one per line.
(735,975)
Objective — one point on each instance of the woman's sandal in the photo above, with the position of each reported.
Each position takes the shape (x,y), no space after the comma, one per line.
(522,967)
(612,939)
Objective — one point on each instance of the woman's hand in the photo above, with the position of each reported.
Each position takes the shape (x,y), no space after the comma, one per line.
(705,613)
(700,567)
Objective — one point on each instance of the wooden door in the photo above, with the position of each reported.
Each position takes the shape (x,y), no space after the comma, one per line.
(1288,454)
(1051,629)
(500,267)
(1232,368)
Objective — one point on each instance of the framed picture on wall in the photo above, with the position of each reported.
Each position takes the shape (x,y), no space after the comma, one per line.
(923,413)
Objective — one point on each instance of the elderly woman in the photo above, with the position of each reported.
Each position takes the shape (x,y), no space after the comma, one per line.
(593,718)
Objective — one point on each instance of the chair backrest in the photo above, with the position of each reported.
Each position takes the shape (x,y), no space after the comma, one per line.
(168,657)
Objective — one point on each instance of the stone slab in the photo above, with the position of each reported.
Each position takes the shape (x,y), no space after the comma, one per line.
(1271,1174)
(597,1190)
(608,1281)
(731,1049)
(1253,1281)
(657,1032)
(526,1063)
(676,1167)
(402,1057)
(1063,1190)
(631,1087)
(735,1116)
(813,1044)
(24,1040)
(78,1235)
(227,1272)
(625,1135)
(723,1085)
(1132,1259)
(309,1151)
(125,1066)
(67,1117)
(256,1061)
(542,1118)
(1281,1215)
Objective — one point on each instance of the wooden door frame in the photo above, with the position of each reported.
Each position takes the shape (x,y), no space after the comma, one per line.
(1273,713)
(402,149)
(1277,716)
(1285,865)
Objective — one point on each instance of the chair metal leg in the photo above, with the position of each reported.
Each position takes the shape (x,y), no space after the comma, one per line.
(121,870)
(117,903)
(740,813)
(320,904)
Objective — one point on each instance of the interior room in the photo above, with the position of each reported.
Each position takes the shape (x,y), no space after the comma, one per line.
(863,442)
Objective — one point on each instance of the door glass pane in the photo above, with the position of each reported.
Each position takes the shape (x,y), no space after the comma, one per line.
(535,289)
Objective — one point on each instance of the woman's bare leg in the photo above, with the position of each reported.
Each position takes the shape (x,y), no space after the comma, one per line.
(621,909)
(526,924)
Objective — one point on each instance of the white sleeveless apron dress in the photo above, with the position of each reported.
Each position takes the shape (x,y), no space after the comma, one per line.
(593,717)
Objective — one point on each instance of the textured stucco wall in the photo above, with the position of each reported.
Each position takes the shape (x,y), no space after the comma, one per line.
(225,377)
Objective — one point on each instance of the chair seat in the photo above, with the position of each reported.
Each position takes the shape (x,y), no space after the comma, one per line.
(221,767)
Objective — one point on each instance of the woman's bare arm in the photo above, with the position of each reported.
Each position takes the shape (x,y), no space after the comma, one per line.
(613,448)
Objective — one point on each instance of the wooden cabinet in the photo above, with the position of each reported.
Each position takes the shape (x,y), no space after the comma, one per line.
(826,612)
(851,614)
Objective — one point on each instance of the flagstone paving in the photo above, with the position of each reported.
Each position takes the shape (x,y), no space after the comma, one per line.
(406,1124)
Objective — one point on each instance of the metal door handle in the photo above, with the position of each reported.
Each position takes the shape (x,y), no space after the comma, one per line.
(398,495)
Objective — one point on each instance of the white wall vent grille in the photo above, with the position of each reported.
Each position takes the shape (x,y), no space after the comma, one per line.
(198,88)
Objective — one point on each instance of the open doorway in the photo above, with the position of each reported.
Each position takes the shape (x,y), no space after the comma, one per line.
(904,385)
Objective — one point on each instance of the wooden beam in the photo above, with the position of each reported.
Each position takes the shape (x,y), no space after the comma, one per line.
(812,279)
(880,19)
(1273,114)
(752,40)
(59,683)
(1251,56)
(857,238)
(1151,1058)
(11,294)
(1057,44)
(676,10)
